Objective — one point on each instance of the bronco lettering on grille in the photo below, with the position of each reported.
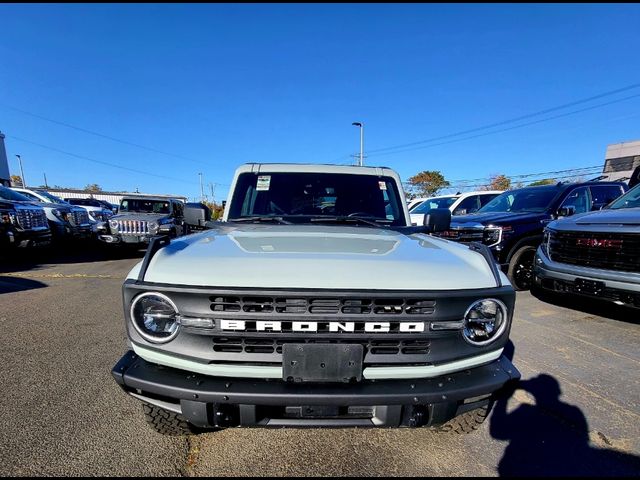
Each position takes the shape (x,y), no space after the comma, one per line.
(368,327)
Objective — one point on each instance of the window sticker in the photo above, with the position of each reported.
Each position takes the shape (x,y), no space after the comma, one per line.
(383,185)
(263,183)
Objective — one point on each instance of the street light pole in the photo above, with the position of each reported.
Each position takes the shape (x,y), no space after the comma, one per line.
(361,125)
(201,189)
(24,183)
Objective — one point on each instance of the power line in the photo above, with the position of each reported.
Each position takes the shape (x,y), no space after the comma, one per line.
(504,122)
(533,174)
(511,128)
(102,162)
(102,135)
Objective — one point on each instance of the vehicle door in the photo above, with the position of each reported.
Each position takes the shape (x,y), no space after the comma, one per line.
(577,200)
(469,205)
(603,195)
(178,215)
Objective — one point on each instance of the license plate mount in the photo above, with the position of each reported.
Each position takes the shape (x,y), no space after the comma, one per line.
(591,287)
(312,362)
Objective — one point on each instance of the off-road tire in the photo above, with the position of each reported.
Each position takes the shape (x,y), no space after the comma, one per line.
(468,422)
(166,422)
(514,263)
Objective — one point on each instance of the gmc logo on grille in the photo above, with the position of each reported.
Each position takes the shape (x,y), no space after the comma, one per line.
(597,243)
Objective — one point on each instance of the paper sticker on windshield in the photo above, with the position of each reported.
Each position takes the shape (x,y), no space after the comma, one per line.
(383,185)
(263,183)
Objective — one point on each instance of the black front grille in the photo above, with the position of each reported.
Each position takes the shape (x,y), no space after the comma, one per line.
(322,306)
(79,217)
(468,235)
(377,351)
(610,251)
(29,219)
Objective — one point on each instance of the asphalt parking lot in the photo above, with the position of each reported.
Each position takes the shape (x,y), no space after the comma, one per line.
(577,410)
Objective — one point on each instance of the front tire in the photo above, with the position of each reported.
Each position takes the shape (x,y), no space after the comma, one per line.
(166,422)
(520,271)
(468,422)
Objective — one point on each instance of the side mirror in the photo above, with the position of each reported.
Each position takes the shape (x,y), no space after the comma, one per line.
(438,220)
(566,211)
(196,214)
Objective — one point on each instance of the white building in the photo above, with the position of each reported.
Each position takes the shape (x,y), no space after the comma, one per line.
(620,161)
(111,197)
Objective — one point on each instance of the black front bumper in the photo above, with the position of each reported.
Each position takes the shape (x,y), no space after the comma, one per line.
(228,402)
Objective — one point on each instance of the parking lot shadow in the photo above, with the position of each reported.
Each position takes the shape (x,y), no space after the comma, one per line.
(15,284)
(551,438)
(21,260)
(588,305)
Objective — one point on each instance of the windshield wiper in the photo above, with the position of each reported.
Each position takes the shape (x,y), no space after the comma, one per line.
(374,222)
(259,218)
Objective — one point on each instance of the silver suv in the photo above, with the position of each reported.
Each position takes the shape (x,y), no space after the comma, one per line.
(596,254)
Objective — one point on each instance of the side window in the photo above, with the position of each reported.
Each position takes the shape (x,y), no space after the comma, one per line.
(484,199)
(579,199)
(31,196)
(604,194)
(468,205)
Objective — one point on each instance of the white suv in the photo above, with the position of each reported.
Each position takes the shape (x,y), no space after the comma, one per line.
(459,204)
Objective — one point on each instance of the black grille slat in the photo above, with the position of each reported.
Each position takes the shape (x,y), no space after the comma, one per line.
(311,306)
(610,251)
(376,351)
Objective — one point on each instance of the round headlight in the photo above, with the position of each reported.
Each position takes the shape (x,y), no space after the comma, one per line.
(113,223)
(152,225)
(155,317)
(484,321)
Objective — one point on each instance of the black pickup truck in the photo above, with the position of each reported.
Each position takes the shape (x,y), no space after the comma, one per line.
(512,224)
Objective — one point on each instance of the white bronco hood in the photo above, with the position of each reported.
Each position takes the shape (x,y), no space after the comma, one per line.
(317,256)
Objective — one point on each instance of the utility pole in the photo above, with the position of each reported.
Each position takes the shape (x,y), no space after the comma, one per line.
(45,181)
(24,183)
(213,189)
(201,188)
(361,125)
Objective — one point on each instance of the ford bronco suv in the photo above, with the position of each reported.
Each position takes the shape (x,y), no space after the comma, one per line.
(140,219)
(316,303)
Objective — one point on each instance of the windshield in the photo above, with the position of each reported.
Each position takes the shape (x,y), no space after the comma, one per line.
(9,194)
(631,199)
(51,198)
(522,200)
(144,206)
(430,203)
(87,202)
(301,197)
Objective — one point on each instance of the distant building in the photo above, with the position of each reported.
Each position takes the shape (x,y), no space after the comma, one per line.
(620,161)
(111,197)
(5,178)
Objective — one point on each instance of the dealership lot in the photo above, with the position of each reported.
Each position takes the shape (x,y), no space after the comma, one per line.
(62,413)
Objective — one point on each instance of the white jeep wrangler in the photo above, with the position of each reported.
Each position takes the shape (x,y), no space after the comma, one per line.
(316,303)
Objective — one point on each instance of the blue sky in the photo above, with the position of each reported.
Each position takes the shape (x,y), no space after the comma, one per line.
(220,85)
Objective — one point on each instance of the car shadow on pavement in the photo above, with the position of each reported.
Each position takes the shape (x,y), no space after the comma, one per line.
(74,252)
(15,284)
(548,437)
(591,306)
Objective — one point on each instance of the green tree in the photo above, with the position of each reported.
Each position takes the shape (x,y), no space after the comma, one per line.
(544,181)
(93,188)
(427,183)
(16,181)
(498,182)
